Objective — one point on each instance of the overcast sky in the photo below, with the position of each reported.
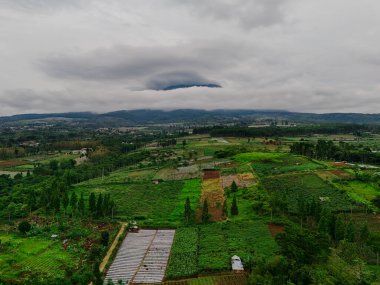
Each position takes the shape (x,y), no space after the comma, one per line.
(96,55)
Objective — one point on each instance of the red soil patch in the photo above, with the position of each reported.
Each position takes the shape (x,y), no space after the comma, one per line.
(10,163)
(211,174)
(276,229)
(213,192)
(340,173)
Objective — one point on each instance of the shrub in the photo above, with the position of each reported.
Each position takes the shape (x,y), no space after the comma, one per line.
(105,237)
(24,227)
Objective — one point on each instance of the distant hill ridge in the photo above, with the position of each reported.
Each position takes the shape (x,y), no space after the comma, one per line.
(148,116)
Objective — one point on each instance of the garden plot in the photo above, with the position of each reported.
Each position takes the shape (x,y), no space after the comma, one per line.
(142,257)
(213,192)
(180,173)
(242,180)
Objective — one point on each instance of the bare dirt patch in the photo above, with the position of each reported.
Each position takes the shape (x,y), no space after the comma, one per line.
(241,180)
(340,173)
(213,192)
(276,229)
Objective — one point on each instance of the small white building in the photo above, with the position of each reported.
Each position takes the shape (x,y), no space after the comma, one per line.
(236,263)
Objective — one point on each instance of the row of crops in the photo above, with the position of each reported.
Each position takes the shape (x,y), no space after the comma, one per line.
(209,248)
(32,254)
(218,242)
(184,254)
(233,279)
(277,163)
(293,187)
(49,262)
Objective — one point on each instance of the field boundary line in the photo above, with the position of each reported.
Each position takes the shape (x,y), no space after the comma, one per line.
(142,260)
(112,248)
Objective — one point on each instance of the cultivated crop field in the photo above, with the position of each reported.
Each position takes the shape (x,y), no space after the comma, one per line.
(191,189)
(309,187)
(184,255)
(123,176)
(149,203)
(219,241)
(225,279)
(277,163)
(242,180)
(35,254)
(213,192)
(209,248)
(180,173)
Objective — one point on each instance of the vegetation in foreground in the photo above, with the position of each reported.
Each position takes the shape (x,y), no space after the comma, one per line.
(299,220)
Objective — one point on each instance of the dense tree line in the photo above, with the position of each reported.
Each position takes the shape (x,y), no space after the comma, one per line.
(273,131)
(342,151)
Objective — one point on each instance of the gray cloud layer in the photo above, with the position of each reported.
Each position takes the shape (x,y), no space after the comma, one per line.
(94,55)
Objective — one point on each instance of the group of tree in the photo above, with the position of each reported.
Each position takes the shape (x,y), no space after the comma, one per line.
(328,150)
(103,206)
(167,142)
(188,212)
(205,213)
(274,131)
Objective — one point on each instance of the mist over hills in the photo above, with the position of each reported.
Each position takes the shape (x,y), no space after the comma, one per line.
(149,116)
